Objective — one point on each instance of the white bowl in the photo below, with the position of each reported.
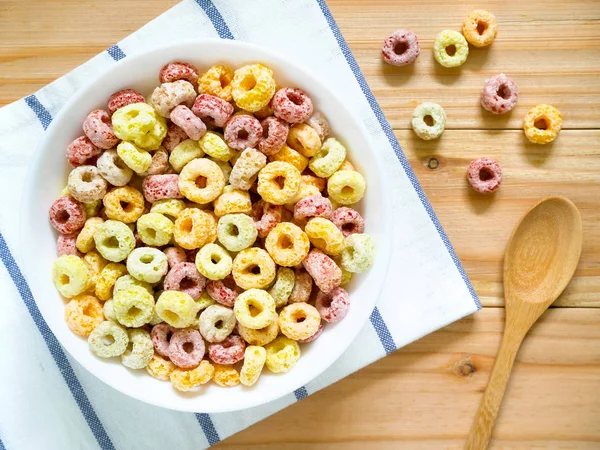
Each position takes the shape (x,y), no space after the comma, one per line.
(47,177)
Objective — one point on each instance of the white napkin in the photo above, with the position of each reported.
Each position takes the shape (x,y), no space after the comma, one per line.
(48,401)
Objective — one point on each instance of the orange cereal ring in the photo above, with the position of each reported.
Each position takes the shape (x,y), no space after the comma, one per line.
(83,313)
(287,244)
(125,204)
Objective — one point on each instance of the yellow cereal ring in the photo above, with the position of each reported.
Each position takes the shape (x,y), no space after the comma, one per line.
(450,48)
(125,204)
(258,300)
(107,279)
(194,228)
(213,144)
(84,313)
(183,153)
(260,337)
(299,321)
(253,268)
(71,275)
(324,235)
(214,262)
(480,28)
(170,207)
(109,311)
(287,244)
(186,380)
(135,158)
(139,123)
(217,81)
(201,181)
(127,280)
(176,308)
(85,238)
(329,158)
(114,240)
(95,263)
(253,86)
(282,354)
(290,156)
(346,187)
(542,124)
(346,165)
(304,139)
(160,368)
(226,376)
(155,229)
(278,182)
(254,361)
(232,201)
(133,306)
(139,351)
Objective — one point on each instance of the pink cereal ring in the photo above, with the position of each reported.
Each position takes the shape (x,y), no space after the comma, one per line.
(312,206)
(174,137)
(319,123)
(223,291)
(175,255)
(184,277)
(348,220)
(178,351)
(67,215)
(161,337)
(184,118)
(159,187)
(274,135)
(212,110)
(124,98)
(266,217)
(228,351)
(292,105)
(65,244)
(401,48)
(333,306)
(323,270)
(160,163)
(98,127)
(314,336)
(500,94)
(82,152)
(485,175)
(243,131)
(178,71)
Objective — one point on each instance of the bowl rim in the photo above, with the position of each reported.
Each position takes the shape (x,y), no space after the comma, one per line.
(383,251)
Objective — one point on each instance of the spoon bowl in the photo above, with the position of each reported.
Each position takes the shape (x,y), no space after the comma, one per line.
(540,259)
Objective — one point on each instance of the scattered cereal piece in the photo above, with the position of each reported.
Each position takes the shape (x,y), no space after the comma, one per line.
(484,175)
(401,48)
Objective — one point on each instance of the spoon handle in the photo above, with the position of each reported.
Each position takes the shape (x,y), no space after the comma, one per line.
(481,430)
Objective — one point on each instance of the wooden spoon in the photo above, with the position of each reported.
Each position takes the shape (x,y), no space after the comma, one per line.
(540,260)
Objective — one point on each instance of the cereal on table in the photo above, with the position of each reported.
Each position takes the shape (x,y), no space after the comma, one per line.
(194,229)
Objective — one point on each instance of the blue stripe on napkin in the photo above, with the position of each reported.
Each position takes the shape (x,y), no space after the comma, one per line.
(383,332)
(55,349)
(394,143)
(40,111)
(216,18)
(301,393)
(2,447)
(116,52)
(209,428)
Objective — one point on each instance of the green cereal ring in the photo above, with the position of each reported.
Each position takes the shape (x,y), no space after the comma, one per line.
(236,231)
(358,254)
(133,307)
(127,280)
(213,144)
(346,187)
(156,319)
(170,207)
(71,275)
(114,240)
(450,48)
(255,309)
(426,113)
(109,310)
(214,262)
(183,153)
(283,287)
(139,123)
(282,354)
(108,339)
(155,229)
(328,159)
(140,350)
(147,264)
(176,308)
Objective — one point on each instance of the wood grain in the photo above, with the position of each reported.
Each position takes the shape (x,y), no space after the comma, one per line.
(425,396)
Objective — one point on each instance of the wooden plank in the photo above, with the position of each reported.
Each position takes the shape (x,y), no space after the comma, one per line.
(425,395)
(549,48)
(479,226)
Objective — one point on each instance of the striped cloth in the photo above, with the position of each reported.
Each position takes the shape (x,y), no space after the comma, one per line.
(48,401)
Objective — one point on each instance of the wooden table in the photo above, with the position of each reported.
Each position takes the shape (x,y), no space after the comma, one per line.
(425,395)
